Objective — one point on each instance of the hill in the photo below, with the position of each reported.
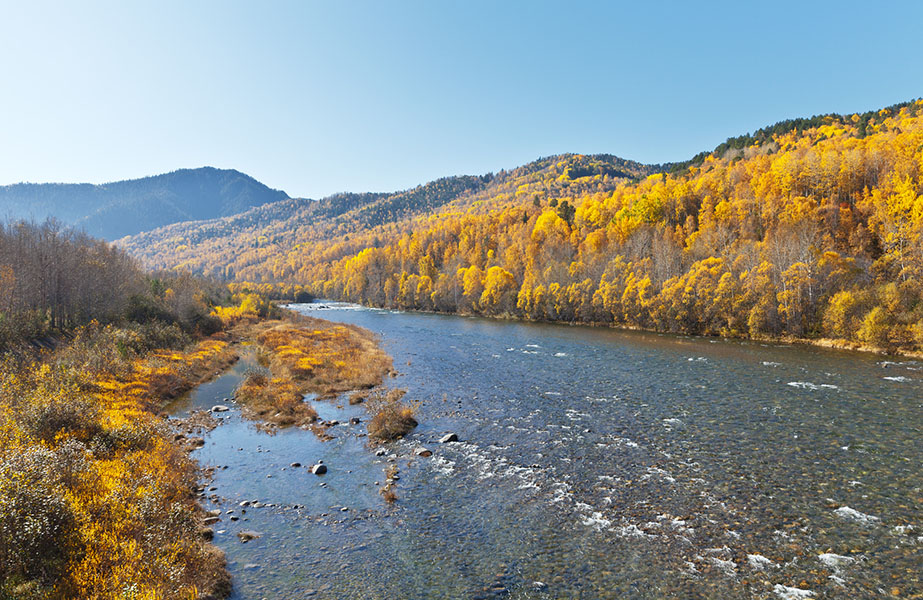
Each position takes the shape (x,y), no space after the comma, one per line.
(114,210)
(238,244)
(808,228)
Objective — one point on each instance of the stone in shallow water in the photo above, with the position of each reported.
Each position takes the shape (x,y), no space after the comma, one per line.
(449,437)
(421,451)
(246,536)
(792,593)
(220,408)
(319,469)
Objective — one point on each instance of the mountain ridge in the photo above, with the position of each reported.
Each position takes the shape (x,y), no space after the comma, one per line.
(115,209)
(348,213)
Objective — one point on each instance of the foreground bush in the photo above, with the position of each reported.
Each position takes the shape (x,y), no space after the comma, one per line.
(96,502)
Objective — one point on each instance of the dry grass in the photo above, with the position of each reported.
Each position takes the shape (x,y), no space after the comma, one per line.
(391,417)
(302,355)
(358,397)
(274,400)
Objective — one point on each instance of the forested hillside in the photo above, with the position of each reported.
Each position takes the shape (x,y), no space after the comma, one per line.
(808,228)
(243,243)
(114,210)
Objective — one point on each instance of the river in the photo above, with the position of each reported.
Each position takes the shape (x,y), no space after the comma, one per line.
(592,463)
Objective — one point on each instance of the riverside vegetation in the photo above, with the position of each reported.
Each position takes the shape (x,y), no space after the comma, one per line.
(305,355)
(811,228)
(96,499)
(97,491)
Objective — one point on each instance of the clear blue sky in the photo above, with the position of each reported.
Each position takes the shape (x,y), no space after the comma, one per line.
(320,97)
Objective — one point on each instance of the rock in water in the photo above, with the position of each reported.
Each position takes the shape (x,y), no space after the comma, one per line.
(246,536)
(220,408)
(319,469)
(449,437)
(421,451)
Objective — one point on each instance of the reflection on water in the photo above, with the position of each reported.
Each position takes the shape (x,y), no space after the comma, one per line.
(592,464)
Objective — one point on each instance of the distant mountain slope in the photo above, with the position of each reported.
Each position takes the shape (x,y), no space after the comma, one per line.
(114,210)
(231,245)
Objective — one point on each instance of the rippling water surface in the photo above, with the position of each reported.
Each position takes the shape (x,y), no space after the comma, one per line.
(592,464)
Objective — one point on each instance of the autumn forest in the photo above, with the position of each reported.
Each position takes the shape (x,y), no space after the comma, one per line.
(806,229)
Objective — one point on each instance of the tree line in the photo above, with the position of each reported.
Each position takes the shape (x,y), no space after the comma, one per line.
(55,278)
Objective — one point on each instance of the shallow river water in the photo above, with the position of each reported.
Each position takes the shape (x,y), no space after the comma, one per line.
(592,463)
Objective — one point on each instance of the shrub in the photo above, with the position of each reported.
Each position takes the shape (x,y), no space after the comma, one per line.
(391,417)
(37,525)
(65,413)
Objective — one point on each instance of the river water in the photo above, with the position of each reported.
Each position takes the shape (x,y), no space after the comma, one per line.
(593,463)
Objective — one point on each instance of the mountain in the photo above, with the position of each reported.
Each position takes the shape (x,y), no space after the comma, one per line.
(236,245)
(807,228)
(114,210)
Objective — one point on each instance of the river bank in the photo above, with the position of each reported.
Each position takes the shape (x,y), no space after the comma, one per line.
(837,344)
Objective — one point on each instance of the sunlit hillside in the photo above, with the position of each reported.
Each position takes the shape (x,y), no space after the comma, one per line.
(242,243)
(808,228)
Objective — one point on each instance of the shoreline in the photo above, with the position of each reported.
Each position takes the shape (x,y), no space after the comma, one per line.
(191,431)
(828,343)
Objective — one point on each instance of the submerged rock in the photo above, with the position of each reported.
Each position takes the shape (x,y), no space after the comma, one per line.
(246,536)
